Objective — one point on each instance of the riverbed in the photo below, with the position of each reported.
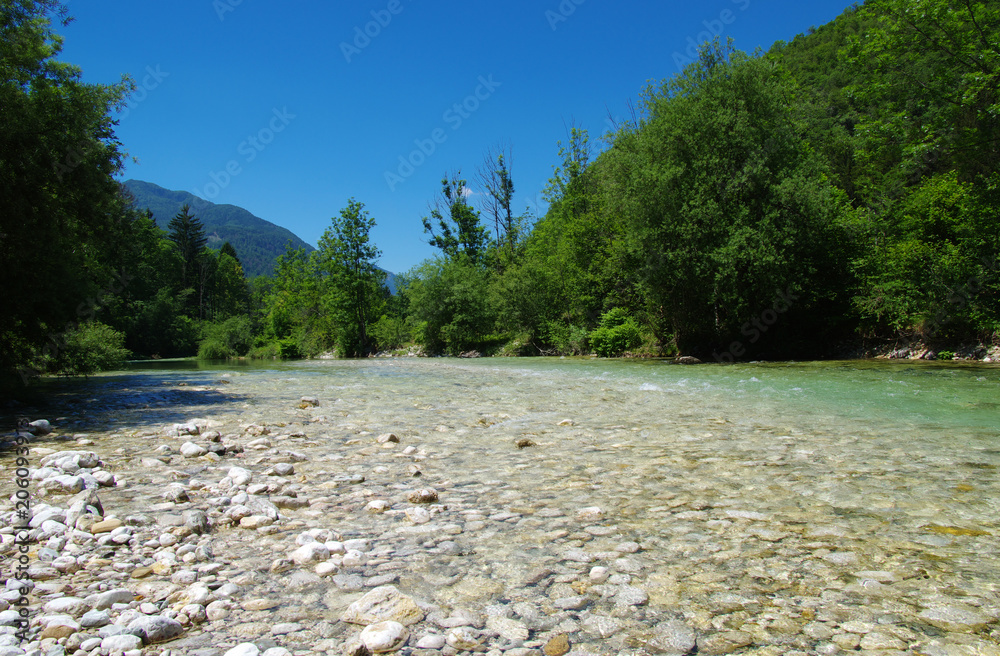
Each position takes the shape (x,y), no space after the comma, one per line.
(602,506)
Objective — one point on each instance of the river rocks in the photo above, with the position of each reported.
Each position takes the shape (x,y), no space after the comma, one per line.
(557,645)
(463,638)
(384,636)
(673,638)
(103,600)
(955,618)
(383,604)
(155,628)
(119,644)
(311,553)
(725,642)
(422,496)
(192,450)
(39,427)
(636,531)
(244,649)
(508,629)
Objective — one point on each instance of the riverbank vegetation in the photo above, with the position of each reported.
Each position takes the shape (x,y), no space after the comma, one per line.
(840,187)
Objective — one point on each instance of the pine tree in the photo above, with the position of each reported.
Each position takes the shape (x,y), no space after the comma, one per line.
(188,233)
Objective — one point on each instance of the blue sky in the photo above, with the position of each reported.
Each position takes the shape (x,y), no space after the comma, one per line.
(290,109)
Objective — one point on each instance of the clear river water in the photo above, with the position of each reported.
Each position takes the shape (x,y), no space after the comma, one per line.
(806,492)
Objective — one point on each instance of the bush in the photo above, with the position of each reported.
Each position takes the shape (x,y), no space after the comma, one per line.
(229,339)
(269,351)
(390,333)
(89,348)
(617,334)
(946,355)
(567,339)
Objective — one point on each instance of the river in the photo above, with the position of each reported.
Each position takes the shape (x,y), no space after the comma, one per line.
(767,505)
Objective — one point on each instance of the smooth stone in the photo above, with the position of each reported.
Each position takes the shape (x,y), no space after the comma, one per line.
(119,644)
(631,596)
(725,642)
(260,604)
(507,628)
(95,619)
(155,628)
(68,605)
(955,618)
(104,600)
(313,552)
(463,638)
(383,604)
(244,649)
(192,450)
(285,628)
(384,636)
(673,638)
(433,641)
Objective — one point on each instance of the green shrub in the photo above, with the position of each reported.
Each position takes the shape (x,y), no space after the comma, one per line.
(617,334)
(567,339)
(89,348)
(268,351)
(390,333)
(229,339)
(213,349)
(946,355)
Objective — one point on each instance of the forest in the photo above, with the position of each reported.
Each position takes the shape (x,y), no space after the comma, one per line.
(839,189)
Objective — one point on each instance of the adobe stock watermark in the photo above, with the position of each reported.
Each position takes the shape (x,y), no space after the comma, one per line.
(78,154)
(713,28)
(565,9)
(364,34)
(249,148)
(455,116)
(223,7)
(755,329)
(150,82)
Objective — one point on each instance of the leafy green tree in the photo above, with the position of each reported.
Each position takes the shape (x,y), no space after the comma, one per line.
(459,230)
(229,293)
(728,205)
(449,301)
(356,283)
(936,82)
(58,158)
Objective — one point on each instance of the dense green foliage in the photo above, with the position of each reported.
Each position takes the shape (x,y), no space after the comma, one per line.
(842,186)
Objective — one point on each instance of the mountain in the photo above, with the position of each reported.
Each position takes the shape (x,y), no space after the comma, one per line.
(257,242)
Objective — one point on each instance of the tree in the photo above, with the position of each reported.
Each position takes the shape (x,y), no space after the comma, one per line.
(61,204)
(188,233)
(731,211)
(459,228)
(498,196)
(356,283)
(936,82)
(229,292)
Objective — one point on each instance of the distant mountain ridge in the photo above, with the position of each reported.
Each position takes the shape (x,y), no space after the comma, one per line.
(257,242)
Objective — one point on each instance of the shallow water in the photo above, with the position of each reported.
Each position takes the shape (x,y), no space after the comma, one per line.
(784,482)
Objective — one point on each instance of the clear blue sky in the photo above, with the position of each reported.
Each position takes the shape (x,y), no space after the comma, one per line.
(305,113)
